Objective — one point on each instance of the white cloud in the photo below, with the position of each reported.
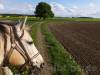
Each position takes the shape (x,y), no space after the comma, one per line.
(30,6)
(57,6)
(1,6)
(90,10)
(19,8)
(59,9)
(91,5)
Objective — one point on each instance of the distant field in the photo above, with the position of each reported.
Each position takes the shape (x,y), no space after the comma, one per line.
(78,19)
(83,19)
(53,19)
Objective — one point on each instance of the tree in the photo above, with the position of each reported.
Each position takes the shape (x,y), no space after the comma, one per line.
(43,10)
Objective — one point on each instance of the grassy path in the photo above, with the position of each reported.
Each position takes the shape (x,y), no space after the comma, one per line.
(41,46)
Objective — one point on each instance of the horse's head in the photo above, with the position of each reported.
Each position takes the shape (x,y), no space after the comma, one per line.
(27,55)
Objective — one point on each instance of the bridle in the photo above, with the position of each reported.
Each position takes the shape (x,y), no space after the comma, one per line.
(14,46)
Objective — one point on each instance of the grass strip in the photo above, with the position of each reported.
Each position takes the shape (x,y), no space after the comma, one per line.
(62,61)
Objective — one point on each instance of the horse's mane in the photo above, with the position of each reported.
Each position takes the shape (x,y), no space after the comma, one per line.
(3,25)
(2,29)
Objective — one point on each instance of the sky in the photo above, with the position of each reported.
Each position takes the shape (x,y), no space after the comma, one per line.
(61,8)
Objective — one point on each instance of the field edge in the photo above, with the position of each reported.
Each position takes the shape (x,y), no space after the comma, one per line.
(59,55)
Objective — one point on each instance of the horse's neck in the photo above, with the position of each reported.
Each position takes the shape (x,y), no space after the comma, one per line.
(6,39)
(1,48)
(3,39)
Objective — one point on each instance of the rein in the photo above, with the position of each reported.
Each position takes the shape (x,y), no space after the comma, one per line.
(13,38)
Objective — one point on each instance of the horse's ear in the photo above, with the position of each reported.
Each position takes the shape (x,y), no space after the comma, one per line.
(23,24)
(18,26)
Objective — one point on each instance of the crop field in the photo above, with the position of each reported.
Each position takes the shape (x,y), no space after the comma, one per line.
(82,40)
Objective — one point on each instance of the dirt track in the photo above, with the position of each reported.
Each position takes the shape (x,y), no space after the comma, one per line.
(42,47)
(82,40)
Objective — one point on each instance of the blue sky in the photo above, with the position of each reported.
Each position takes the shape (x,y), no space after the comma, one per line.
(62,8)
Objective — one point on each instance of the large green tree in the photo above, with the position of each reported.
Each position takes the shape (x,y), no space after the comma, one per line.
(43,10)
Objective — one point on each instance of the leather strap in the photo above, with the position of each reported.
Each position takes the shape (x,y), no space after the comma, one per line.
(22,34)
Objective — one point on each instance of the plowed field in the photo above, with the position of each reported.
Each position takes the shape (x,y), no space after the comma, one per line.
(82,41)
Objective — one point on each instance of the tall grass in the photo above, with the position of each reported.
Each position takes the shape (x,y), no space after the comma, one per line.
(62,61)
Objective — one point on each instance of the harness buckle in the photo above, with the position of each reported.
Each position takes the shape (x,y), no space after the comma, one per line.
(13,45)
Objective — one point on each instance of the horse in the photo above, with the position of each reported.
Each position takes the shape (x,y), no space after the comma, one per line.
(17,48)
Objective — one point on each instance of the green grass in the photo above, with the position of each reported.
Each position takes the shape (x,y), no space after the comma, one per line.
(55,18)
(63,63)
(34,29)
(18,18)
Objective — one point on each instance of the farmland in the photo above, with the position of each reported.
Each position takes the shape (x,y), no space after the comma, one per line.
(82,41)
(65,44)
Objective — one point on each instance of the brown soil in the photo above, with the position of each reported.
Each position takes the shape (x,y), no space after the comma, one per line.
(82,41)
